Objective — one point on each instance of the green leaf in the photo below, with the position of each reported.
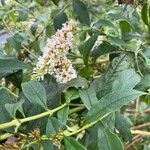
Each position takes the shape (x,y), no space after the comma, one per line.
(15,78)
(34,27)
(82,35)
(86,47)
(144,85)
(71,94)
(108,140)
(127,79)
(88,96)
(102,49)
(55,1)
(4,99)
(125,27)
(63,115)
(35,93)
(110,103)
(59,20)
(78,82)
(123,126)
(72,144)
(10,65)
(116,41)
(103,22)
(12,108)
(81,11)
(49,30)
(54,126)
(48,145)
(31,109)
(15,42)
(53,92)
(103,85)
(144,14)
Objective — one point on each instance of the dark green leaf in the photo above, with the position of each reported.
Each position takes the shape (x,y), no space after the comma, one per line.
(86,47)
(54,126)
(78,82)
(123,126)
(12,108)
(144,85)
(110,103)
(15,78)
(125,27)
(72,144)
(53,92)
(15,41)
(71,94)
(126,79)
(4,99)
(88,96)
(63,115)
(116,41)
(103,85)
(102,49)
(35,93)
(49,31)
(34,27)
(59,20)
(48,145)
(31,109)
(55,1)
(10,65)
(103,22)
(81,11)
(108,140)
(144,14)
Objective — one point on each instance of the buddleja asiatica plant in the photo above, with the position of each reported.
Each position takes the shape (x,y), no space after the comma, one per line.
(55,94)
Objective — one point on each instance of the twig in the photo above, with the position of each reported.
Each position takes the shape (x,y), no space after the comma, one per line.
(76,109)
(137,109)
(141,126)
(130,145)
(139,132)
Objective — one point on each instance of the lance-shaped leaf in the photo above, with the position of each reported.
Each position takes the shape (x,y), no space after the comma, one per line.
(10,65)
(144,14)
(126,79)
(59,20)
(72,144)
(110,103)
(86,47)
(108,140)
(35,93)
(81,11)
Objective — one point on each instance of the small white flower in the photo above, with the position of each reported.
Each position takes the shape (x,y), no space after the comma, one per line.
(54,60)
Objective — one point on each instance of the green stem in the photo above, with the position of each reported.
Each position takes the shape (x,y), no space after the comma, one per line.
(5,136)
(18,122)
(76,109)
(83,128)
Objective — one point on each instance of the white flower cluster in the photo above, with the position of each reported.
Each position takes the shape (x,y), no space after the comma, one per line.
(54,60)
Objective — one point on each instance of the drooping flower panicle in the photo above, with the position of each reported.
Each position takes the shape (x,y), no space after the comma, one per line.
(54,60)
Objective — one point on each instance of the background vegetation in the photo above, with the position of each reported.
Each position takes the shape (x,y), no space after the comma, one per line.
(107,106)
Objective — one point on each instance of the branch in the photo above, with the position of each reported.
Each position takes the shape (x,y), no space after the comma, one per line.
(18,122)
